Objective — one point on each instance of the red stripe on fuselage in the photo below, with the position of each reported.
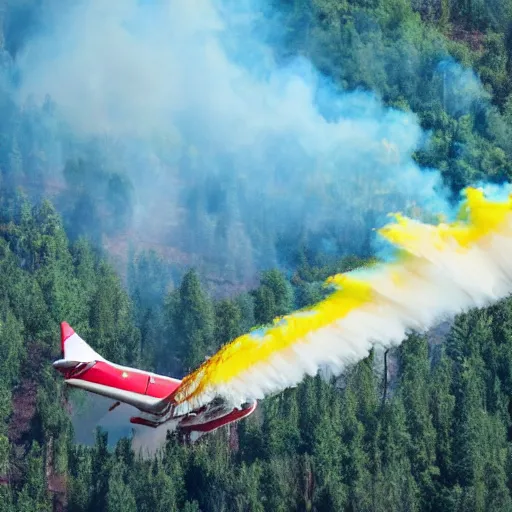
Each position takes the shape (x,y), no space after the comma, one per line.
(160,387)
(108,375)
(127,379)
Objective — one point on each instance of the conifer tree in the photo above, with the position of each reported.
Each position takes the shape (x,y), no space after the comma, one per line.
(190,321)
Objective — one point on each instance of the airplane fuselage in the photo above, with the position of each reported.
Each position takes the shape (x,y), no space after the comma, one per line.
(148,392)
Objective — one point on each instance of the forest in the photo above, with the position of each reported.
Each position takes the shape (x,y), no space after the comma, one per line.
(424,426)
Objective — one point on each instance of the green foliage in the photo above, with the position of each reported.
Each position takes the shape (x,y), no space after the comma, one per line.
(190,321)
(119,496)
(112,329)
(442,438)
(439,441)
(273,298)
(80,478)
(227,321)
(34,495)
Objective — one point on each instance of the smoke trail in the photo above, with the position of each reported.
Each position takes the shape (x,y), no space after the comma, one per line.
(147,442)
(438,271)
(92,411)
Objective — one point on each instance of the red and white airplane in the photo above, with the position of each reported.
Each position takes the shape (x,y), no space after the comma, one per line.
(151,394)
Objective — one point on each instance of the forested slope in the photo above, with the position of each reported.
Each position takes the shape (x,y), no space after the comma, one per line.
(431,433)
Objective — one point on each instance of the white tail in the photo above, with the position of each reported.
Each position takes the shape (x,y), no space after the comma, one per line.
(75,349)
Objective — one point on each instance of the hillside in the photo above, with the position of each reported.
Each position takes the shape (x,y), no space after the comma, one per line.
(235,156)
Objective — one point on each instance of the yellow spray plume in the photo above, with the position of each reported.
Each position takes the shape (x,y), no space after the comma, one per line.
(438,271)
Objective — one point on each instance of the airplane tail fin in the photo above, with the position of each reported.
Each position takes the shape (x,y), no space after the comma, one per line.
(74,349)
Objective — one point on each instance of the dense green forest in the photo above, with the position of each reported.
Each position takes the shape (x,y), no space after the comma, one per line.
(426,426)
(432,436)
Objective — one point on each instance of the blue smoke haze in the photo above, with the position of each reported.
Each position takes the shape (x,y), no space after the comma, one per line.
(228,151)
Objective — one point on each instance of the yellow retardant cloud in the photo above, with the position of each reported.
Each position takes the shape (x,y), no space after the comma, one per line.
(438,270)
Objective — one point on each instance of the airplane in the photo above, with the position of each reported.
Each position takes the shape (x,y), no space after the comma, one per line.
(149,393)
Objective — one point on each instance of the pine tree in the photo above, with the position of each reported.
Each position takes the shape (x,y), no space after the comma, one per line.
(119,496)
(415,378)
(101,470)
(227,321)
(113,333)
(398,490)
(442,406)
(265,309)
(190,320)
(34,492)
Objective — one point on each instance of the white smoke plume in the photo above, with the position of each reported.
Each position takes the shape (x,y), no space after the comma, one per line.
(440,271)
(225,146)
